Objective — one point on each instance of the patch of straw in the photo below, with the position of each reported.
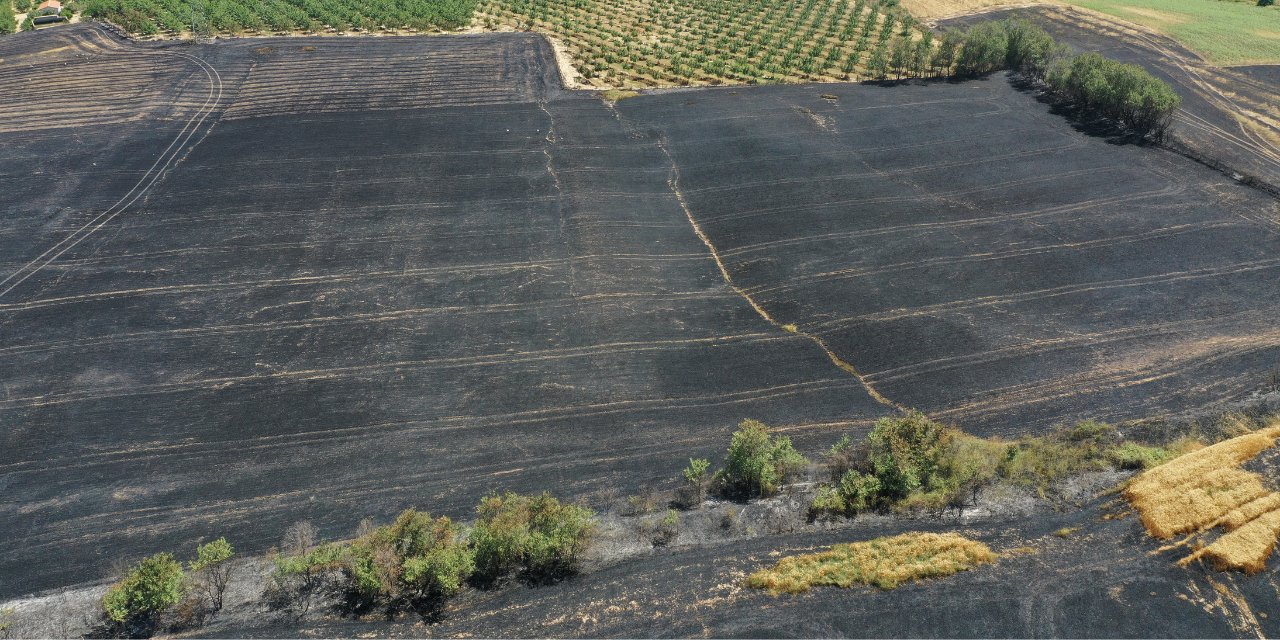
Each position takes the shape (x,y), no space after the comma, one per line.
(882,562)
(1207,488)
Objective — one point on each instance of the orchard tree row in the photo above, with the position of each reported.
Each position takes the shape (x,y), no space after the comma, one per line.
(229,17)
(644,43)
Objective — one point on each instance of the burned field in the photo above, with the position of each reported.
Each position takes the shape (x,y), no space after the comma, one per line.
(273,280)
(1098,581)
(974,256)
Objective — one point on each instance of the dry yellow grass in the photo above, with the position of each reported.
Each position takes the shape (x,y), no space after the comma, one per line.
(882,562)
(1206,489)
(1246,549)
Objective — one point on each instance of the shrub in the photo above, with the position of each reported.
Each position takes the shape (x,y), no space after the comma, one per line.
(905,453)
(859,491)
(212,571)
(827,500)
(302,579)
(985,50)
(536,536)
(149,589)
(416,561)
(845,455)
(668,529)
(695,478)
(1266,3)
(641,504)
(757,463)
(1131,455)
(967,465)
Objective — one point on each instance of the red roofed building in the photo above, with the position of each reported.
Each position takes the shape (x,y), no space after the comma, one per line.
(52,5)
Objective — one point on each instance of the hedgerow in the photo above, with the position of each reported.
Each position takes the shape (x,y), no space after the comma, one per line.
(914,463)
(1125,94)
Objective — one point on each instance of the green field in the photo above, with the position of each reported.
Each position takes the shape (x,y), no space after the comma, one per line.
(1225,32)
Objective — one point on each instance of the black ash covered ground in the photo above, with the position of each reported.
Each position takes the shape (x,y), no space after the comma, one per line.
(332,278)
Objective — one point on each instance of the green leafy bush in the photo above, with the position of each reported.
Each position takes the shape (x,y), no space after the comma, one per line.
(667,529)
(985,50)
(8,20)
(149,589)
(859,491)
(695,479)
(757,463)
(417,561)
(303,578)
(905,453)
(1134,456)
(536,536)
(211,571)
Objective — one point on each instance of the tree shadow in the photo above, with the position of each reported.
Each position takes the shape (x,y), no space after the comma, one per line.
(1079,119)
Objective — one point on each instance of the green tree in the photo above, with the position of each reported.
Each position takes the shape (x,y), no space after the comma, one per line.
(878,65)
(905,453)
(212,570)
(695,478)
(900,58)
(417,561)
(945,56)
(756,463)
(537,537)
(984,50)
(149,589)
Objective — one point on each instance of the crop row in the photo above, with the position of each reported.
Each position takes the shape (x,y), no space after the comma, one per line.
(152,17)
(638,43)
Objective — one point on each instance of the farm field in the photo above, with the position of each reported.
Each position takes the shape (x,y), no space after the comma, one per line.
(1225,32)
(433,282)
(248,283)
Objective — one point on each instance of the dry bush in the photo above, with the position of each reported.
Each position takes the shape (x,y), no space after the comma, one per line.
(298,538)
(882,562)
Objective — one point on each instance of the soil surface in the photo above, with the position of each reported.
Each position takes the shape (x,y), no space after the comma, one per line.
(253,282)
(1231,114)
